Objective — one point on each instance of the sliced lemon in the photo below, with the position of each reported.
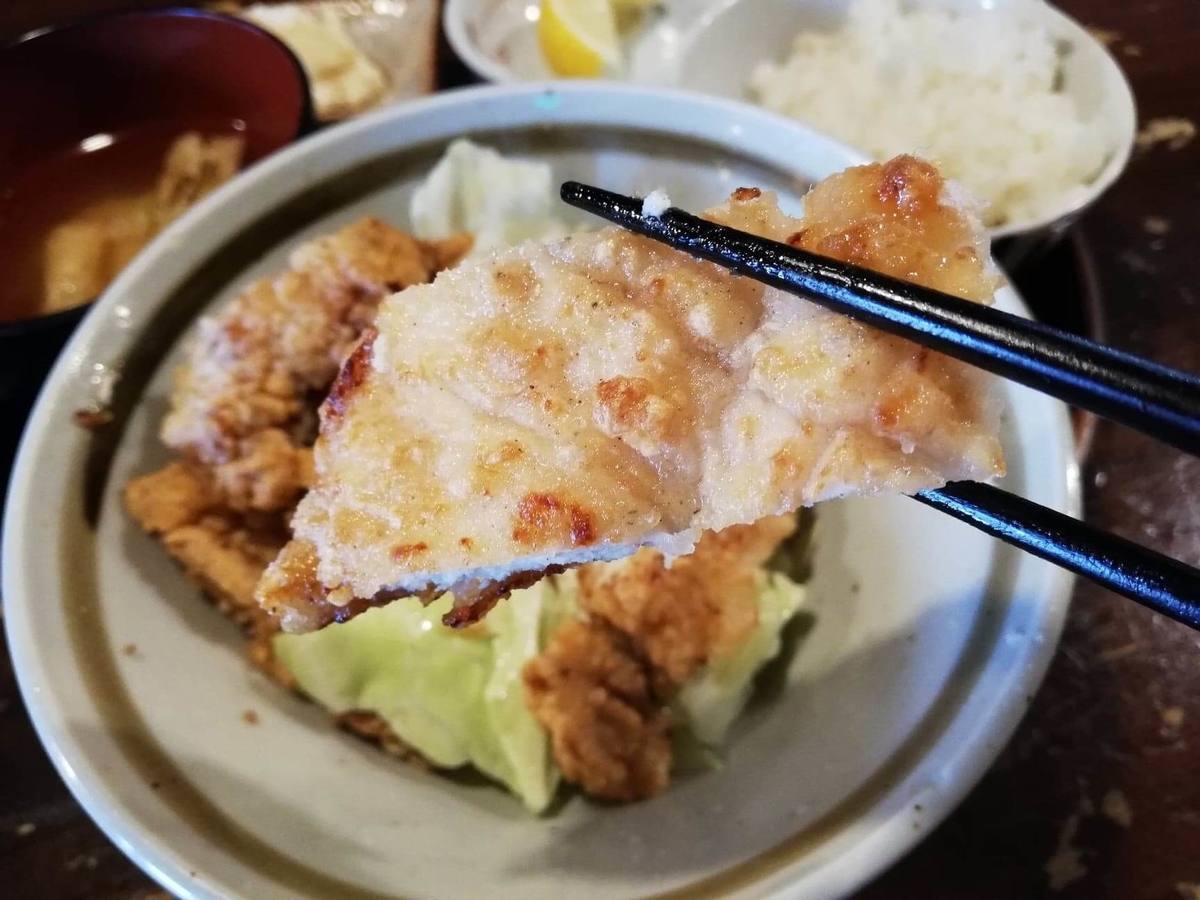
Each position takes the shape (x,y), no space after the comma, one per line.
(578,37)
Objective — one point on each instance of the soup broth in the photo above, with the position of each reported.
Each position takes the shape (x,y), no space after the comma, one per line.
(70,223)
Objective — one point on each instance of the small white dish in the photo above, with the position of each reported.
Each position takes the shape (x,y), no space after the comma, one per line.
(712,46)
(929,638)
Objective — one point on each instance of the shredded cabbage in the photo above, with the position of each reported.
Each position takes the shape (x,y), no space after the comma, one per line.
(500,201)
(454,696)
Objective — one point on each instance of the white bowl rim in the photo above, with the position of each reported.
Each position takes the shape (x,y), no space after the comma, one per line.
(1124,113)
(167,862)
(454,23)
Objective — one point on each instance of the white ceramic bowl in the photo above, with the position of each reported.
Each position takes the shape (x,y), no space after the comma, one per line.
(712,46)
(928,641)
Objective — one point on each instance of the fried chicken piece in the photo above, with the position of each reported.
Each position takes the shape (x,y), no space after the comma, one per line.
(170,498)
(592,693)
(699,608)
(571,401)
(222,551)
(269,475)
(241,398)
(225,559)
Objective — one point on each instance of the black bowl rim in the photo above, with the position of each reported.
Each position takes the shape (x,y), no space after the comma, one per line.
(306,121)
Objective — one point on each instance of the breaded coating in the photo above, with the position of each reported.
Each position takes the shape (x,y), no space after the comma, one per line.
(700,607)
(593,693)
(170,498)
(241,400)
(570,401)
(600,684)
(225,560)
(222,551)
(269,475)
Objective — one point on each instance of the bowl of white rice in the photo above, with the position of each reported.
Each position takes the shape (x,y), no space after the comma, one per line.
(1011,98)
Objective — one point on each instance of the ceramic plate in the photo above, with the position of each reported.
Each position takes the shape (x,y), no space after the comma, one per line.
(925,641)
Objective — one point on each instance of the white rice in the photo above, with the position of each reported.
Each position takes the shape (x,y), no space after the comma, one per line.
(655,204)
(977,94)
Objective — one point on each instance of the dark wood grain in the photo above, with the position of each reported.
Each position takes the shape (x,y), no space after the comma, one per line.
(1106,767)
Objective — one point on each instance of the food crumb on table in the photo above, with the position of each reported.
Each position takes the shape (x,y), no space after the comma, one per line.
(1115,807)
(1173,716)
(1066,866)
(92,418)
(130,649)
(1106,36)
(1156,225)
(1174,131)
(250,717)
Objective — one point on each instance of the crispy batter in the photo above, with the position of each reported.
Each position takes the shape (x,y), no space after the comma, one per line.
(222,551)
(169,498)
(697,609)
(592,692)
(570,401)
(214,555)
(241,399)
(599,685)
(269,475)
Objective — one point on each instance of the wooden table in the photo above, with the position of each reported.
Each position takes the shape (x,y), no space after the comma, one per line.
(1098,795)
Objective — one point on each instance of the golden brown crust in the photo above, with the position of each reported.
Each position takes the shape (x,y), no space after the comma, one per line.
(240,401)
(593,694)
(600,685)
(170,498)
(683,615)
(544,519)
(351,375)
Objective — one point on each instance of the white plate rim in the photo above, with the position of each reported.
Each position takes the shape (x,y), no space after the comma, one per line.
(605,103)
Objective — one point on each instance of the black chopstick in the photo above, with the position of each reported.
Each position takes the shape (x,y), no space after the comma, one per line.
(1163,584)
(1151,398)
(1143,395)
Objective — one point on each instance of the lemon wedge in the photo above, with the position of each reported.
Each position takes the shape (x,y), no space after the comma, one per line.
(579,37)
